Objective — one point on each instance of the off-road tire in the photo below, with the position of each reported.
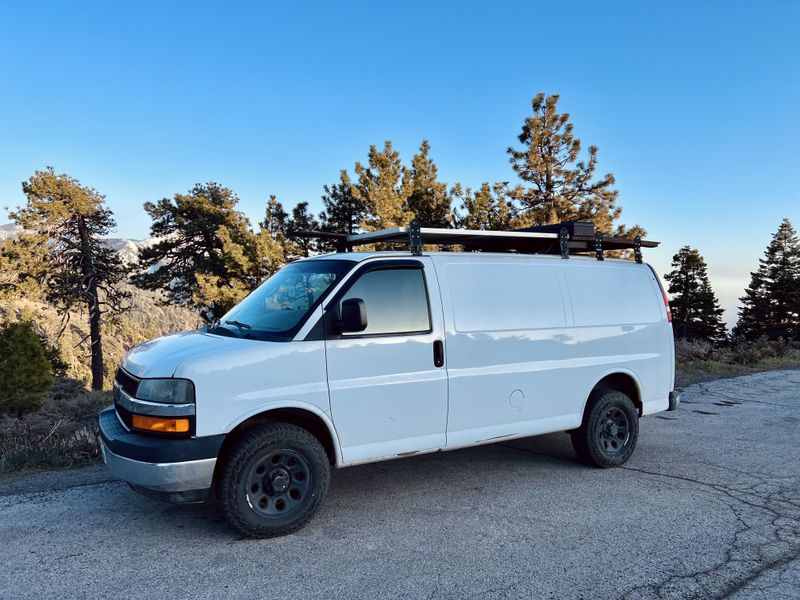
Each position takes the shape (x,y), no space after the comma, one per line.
(274,452)
(602,440)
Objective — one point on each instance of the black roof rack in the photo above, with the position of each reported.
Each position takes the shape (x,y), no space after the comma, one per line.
(562,238)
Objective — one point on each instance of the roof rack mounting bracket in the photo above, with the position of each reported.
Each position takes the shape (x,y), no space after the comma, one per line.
(598,245)
(637,248)
(563,240)
(415,238)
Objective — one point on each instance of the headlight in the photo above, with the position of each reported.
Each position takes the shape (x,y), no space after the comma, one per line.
(168,391)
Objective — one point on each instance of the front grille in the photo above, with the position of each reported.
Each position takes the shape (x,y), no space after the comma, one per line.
(127,382)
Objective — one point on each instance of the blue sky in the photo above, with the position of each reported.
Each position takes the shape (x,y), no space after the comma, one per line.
(694,108)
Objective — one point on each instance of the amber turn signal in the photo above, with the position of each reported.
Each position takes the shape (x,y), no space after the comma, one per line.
(160,424)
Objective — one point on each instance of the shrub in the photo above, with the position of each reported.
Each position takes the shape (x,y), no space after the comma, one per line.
(25,371)
(692,350)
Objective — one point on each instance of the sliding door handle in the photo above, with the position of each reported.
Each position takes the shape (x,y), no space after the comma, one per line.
(438,353)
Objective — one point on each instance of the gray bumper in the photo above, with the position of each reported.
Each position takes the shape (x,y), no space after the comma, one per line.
(166,478)
(674,400)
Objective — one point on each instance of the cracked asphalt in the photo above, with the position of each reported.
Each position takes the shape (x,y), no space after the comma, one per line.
(708,507)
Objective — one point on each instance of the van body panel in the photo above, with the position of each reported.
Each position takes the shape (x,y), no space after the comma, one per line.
(577,321)
(254,376)
(387,396)
(161,356)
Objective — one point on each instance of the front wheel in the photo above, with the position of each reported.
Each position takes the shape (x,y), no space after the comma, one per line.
(273,480)
(607,437)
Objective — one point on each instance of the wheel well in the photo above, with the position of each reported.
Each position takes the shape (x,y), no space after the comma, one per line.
(624,383)
(296,416)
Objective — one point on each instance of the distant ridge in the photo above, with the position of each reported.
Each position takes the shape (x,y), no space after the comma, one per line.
(128,249)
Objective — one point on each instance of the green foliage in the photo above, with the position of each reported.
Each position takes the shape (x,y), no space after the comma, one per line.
(489,208)
(344,213)
(302,220)
(26,372)
(562,186)
(696,313)
(429,200)
(383,186)
(62,249)
(771,304)
(23,268)
(206,257)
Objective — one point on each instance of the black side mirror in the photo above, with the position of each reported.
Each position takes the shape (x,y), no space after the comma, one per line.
(352,316)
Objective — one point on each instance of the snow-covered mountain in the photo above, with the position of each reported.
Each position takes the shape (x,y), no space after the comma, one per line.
(9,231)
(128,249)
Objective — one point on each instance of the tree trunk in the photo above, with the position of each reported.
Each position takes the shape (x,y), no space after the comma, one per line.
(93,302)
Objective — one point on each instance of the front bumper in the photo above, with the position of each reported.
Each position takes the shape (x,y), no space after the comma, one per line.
(175,469)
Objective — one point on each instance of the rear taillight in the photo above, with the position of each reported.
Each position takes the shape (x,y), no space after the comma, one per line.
(666,305)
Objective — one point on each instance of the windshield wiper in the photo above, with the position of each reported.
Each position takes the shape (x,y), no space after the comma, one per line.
(238,324)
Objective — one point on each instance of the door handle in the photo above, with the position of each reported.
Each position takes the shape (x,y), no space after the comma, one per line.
(438,353)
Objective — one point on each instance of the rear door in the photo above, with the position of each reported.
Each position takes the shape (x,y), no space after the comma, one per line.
(388,384)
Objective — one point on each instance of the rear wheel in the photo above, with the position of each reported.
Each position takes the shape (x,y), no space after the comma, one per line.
(273,480)
(607,437)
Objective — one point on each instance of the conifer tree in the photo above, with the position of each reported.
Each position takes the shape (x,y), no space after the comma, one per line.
(276,219)
(488,208)
(384,186)
(206,255)
(562,186)
(302,220)
(64,223)
(429,199)
(771,304)
(696,313)
(344,213)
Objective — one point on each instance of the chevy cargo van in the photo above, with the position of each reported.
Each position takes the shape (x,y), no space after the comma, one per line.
(350,358)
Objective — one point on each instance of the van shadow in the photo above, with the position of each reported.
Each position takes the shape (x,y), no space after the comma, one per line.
(377,488)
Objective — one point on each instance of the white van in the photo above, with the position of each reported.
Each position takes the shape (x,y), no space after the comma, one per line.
(350,358)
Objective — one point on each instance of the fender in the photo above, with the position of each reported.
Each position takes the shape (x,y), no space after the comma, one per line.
(613,371)
(279,404)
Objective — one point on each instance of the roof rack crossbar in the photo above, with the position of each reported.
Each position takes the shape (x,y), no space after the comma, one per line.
(566,238)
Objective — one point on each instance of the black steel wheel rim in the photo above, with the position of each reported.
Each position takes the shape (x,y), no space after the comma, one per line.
(613,431)
(278,483)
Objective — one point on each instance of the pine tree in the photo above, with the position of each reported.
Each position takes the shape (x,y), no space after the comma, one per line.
(302,220)
(488,208)
(384,187)
(276,219)
(206,256)
(64,223)
(563,187)
(696,313)
(771,304)
(344,213)
(429,199)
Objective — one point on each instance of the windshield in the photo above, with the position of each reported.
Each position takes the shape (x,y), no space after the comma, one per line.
(278,308)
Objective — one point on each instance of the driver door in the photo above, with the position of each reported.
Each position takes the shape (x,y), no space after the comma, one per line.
(388,383)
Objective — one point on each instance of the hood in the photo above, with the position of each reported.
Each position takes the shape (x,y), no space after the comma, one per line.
(162,356)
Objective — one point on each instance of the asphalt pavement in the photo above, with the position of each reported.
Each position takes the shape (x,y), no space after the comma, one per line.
(708,507)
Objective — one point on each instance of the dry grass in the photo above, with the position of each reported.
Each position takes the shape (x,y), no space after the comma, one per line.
(62,433)
(699,361)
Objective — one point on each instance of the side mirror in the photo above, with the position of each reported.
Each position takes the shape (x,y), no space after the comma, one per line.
(353,316)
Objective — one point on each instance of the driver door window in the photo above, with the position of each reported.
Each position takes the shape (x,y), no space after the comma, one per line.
(396,301)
